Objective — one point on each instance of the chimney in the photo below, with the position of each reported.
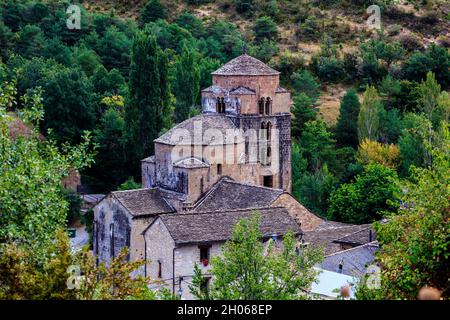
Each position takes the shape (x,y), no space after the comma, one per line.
(341,266)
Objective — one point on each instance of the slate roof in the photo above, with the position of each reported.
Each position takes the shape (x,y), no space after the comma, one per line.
(141,202)
(242,90)
(215,89)
(358,238)
(184,132)
(217,226)
(245,65)
(354,260)
(191,163)
(280,90)
(231,195)
(328,232)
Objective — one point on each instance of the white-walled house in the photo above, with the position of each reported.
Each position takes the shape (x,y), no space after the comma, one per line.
(174,243)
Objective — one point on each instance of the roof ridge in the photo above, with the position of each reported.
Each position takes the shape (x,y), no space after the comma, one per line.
(208,193)
(226,211)
(354,232)
(357,247)
(256,186)
(132,190)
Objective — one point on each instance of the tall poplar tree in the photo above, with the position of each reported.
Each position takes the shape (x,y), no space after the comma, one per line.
(186,84)
(148,109)
(346,127)
(369,115)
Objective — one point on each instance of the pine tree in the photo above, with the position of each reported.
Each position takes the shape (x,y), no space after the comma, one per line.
(148,109)
(153,11)
(346,127)
(187,83)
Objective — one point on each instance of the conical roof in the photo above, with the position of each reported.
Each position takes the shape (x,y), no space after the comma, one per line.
(245,65)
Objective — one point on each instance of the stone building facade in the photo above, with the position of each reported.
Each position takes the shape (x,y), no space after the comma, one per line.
(208,172)
(176,243)
(243,132)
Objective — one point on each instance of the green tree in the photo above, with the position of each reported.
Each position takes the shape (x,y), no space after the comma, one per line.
(435,59)
(114,49)
(305,82)
(346,128)
(31,201)
(186,86)
(414,243)
(30,41)
(191,23)
(110,168)
(303,111)
(429,92)
(314,190)
(365,200)
(416,129)
(147,112)
(265,28)
(369,115)
(129,184)
(6,38)
(247,270)
(245,7)
(317,145)
(69,106)
(153,11)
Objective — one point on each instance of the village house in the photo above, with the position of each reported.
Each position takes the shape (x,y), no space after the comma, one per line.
(176,243)
(208,172)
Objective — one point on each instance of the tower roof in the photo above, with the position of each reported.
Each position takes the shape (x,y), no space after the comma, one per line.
(245,65)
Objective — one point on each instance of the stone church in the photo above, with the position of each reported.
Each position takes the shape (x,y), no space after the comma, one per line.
(208,172)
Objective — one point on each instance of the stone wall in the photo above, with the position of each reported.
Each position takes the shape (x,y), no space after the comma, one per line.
(115,228)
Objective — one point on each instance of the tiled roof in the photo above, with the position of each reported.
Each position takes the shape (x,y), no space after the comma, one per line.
(242,90)
(245,65)
(218,226)
(354,260)
(326,233)
(230,195)
(143,201)
(185,132)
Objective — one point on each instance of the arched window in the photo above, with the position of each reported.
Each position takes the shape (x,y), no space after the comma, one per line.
(220,105)
(269,130)
(268,109)
(263,130)
(261,106)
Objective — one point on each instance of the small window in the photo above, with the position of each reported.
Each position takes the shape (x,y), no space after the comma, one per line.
(268,181)
(219,169)
(159,269)
(201,185)
(261,106)
(204,253)
(268,106)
